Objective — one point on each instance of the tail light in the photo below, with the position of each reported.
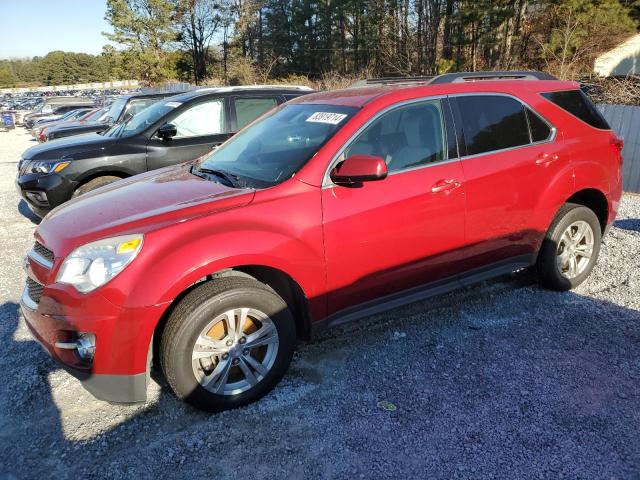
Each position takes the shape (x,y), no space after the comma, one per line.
(43,135)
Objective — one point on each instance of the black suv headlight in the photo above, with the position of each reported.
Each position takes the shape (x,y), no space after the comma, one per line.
(44,167)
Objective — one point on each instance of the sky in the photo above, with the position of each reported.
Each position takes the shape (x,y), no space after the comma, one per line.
(36,27)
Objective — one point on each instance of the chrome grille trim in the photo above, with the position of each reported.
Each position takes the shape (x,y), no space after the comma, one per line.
(41,255)
(26,300)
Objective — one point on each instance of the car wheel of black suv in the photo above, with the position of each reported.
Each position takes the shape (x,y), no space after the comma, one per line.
(570,248)
(95,183)
(227,343)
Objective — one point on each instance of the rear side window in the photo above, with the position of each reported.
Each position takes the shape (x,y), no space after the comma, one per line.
(248,109)
(492,122)
(578,104)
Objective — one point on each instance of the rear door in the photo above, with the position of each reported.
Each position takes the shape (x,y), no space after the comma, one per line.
(512,156)
(201,127)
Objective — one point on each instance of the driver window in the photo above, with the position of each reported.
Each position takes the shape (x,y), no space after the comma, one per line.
(205,118)
(406,137)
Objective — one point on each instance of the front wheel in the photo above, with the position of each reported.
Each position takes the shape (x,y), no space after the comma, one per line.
(570,248)
(93,184)
(227,343)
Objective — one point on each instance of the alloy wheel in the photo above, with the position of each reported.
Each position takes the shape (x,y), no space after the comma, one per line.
(235,351)
(575,249)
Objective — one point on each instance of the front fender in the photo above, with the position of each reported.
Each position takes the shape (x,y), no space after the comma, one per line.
(284,234)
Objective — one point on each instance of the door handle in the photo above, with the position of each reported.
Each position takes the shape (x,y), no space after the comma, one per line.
(445,186)
(545,159)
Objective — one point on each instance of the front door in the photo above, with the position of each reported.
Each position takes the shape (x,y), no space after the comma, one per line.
(406,230)
(201,127)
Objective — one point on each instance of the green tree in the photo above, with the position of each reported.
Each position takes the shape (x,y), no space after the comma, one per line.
(147,29)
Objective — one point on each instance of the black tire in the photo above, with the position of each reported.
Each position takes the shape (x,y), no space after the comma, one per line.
(192,315)
(549,274)
(95,183)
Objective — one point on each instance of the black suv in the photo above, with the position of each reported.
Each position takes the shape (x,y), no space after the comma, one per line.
(174,130)
(121,109)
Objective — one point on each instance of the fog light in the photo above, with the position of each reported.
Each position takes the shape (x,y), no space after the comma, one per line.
(86,345)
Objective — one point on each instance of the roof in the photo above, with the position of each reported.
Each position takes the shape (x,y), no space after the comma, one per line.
(623,60)
(359,96)
(248,88)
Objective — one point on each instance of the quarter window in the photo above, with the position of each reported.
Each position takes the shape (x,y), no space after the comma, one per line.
(248,109)
(492,122)
(540,131)
(205,118)
(409,136)
(578,104)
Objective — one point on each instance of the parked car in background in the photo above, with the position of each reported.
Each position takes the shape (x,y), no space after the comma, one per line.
(174,130)
(336,206)
(96,115)
(49,120)
(53,105)
(81,117)
(119,110)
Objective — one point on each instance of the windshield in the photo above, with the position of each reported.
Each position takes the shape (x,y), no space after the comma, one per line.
(115,109)
(142,120)
(278,145)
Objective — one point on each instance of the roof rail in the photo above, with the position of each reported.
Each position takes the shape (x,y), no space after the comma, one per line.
(257,87)
(390,80)
(461,77)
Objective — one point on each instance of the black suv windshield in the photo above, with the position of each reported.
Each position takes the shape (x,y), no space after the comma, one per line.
(142,120)
(115,109)
(277,146)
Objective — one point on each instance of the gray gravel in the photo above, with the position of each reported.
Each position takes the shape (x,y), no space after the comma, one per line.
(502,380)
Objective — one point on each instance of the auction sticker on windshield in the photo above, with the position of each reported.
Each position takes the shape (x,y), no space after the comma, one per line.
(326,117)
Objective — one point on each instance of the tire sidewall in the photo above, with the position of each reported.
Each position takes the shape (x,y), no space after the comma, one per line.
(185,383)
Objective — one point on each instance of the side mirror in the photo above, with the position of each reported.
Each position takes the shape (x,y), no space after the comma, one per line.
(167,131)
(359,168)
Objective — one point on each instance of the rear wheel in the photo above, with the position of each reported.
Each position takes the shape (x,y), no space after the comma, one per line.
(570,248)
(227,343)
(95,183)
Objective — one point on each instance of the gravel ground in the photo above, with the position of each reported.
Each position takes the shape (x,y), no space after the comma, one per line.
(502,380)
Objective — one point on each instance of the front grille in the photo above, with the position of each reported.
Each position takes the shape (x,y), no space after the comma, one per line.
(43,251)
(34,290)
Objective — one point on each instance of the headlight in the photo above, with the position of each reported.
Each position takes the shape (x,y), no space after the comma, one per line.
(46,167)
(94,264)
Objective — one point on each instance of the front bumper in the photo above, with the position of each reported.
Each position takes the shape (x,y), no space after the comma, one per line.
(108,387)
(57,316)
(44,192)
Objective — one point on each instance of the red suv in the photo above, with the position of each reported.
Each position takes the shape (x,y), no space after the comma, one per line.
(332,207)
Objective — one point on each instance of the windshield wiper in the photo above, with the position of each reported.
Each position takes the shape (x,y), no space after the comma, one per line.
(228,178)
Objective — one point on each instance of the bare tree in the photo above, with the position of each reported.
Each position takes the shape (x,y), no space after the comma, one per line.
(199,21)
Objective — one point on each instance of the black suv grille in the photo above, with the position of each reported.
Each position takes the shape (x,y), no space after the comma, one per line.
(43,251)
(34,290)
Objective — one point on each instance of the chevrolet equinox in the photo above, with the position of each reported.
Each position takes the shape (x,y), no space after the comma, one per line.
(330,208)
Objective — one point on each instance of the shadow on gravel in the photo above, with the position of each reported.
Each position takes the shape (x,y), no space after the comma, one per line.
(632,224)
(500,380)
(26,212)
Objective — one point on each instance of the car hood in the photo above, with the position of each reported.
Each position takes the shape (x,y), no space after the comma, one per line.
(137,205)
(67,147)
(83,125)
